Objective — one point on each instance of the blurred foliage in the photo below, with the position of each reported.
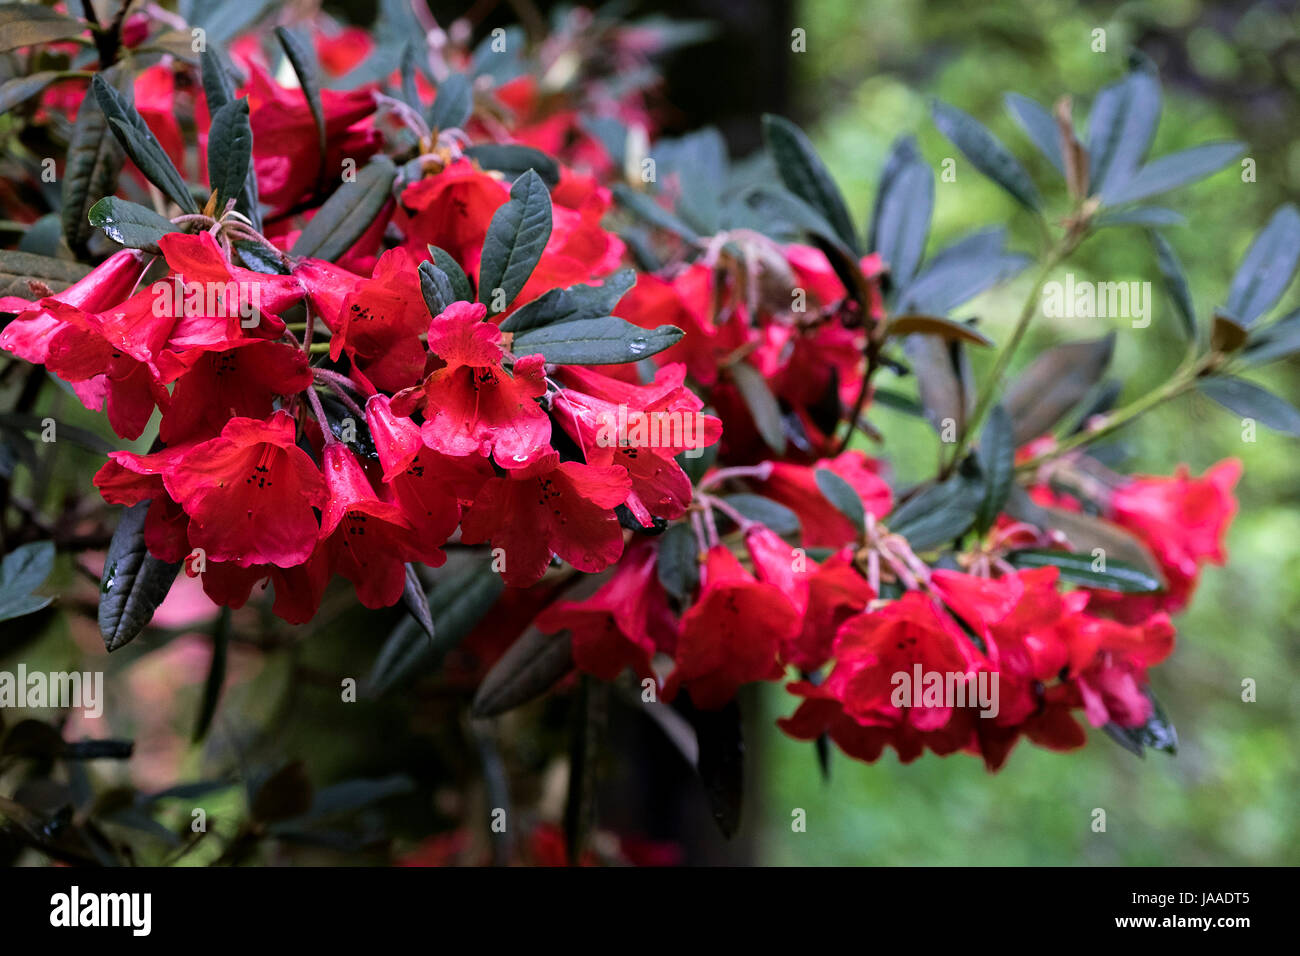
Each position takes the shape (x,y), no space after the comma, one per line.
(1228,796)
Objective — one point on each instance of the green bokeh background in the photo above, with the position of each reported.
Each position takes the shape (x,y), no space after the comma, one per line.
(1229,796)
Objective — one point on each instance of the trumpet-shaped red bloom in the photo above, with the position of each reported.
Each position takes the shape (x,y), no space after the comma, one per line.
(547,506)
(367,540)
(473,405)
(732,634)
(109,283)
(873,647)
(250,493)
(380,322)
(623,624)
(795,486)
(298,590)
(643,429)
(286,155)
(428,485)
(1183,521)
(240,382)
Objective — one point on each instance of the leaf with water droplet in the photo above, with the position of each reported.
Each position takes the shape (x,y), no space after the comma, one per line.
(134,581)
(607,340)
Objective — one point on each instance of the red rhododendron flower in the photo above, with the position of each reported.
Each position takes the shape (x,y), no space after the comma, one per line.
(823,526)
(732,634)
(643,429)
(250,493)
(473,405)
(380,321)
(1183,521)
(286,154)
(367,540)
(239,382)
(546,506)
(623,624)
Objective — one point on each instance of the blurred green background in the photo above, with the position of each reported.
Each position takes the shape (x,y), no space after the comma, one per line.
(1229,796)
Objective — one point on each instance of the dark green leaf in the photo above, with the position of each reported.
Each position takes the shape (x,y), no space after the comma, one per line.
(19,269)
(516,237)
(260,258)
(453,104)
(218,85)
(134,582)
(219,89)
(897,401)
(1039,126)
(95,159)
(1086,533)
(351,796)
(77,436)
(230,151)
(645,206)
(1250,401)
(130,224)
(1176,169)
(514,160)
(410,94)
(1081,569)
(348,213)
(986,153)
(678,566)
(1273,342)
(900,220)
(24,570)
(1171,270)
(1056,381)
(843,496)
(305,70)
(22,88)
(141,144)
(762,404)
(224,20)
(605,341)
(960,272)
(216,676)
(44,237)
(804,174)
(531,667)
(575,302)
(436,288)
(460,286)
(997,452)
(698,162)
(774,204)
(1268,267)
(1121,126)
(458,601)
(765,511)
(30,24)
(939,514)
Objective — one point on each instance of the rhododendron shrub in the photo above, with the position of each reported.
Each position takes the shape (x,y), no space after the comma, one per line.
(450,338)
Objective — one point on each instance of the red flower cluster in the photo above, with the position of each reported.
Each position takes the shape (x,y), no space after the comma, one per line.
(438,411)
